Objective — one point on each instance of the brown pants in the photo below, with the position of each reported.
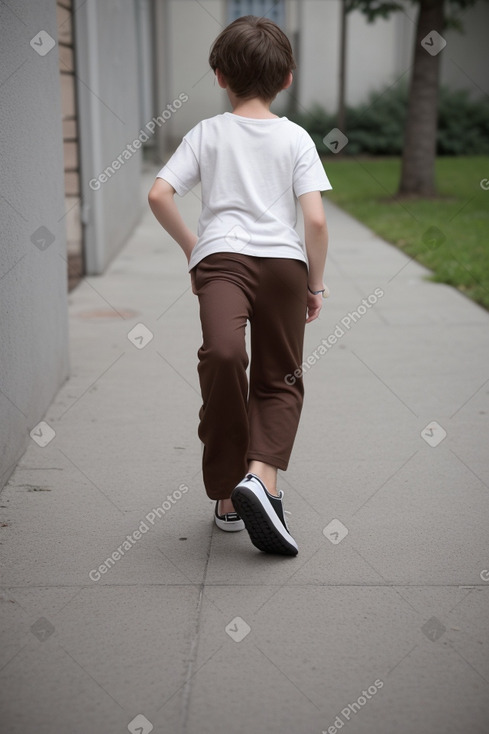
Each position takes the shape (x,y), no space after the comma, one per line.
(236,427)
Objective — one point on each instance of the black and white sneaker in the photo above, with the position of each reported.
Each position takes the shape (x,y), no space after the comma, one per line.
(230,521)
(263,516)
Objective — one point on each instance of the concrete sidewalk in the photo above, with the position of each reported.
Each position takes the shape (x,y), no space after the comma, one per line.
(378,625)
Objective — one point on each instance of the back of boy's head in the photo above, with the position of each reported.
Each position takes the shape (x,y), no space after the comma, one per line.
(255,57)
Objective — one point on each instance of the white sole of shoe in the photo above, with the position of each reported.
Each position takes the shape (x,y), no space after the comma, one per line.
(229,527)
(266,531)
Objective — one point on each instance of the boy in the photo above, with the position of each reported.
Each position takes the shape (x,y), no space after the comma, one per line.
(248,263)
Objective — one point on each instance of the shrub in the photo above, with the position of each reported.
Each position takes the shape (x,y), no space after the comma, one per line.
(376,127)
(463,124)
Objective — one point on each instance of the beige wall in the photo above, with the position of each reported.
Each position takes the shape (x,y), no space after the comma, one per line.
(465,57)
(379,54)
(318,61)
(108,117)
(192,28)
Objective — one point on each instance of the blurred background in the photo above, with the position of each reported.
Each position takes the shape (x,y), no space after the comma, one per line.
(94,93)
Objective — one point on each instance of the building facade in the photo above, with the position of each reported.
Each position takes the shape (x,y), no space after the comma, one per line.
(378,54)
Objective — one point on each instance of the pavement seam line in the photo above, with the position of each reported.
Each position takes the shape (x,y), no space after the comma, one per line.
(194,646)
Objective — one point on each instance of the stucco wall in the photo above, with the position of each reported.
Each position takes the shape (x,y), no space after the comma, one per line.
(379,54)
(33,275)
(465,60)
(193,27)
(108,103)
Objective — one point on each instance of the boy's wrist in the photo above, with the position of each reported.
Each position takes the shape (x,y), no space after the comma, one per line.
(318,290)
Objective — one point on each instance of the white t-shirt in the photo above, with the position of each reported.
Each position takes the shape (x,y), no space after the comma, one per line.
(251,171)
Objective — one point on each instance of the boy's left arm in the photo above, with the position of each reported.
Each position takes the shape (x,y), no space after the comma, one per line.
(162,204)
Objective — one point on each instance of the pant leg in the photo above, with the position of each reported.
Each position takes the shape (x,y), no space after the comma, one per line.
(277,337)
(224,284)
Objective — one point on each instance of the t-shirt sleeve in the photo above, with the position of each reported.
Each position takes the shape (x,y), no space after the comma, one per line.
(309,173)
(182,171)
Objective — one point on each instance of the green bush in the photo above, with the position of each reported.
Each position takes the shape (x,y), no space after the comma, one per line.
(463,124)
(376,127)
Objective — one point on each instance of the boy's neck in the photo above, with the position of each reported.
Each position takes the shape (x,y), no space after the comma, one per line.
(256,108)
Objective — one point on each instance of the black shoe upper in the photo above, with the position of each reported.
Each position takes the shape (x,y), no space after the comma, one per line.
(276,502)
(277,505)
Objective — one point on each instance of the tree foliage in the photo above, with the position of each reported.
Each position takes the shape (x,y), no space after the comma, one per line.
(374,9)
(420,135)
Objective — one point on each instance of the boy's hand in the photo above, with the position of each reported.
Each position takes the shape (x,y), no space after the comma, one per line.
(314,306)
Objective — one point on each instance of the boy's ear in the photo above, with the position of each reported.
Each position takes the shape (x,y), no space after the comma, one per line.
(220,79)
(288,81)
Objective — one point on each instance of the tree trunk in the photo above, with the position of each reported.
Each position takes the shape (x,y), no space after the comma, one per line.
(419,153)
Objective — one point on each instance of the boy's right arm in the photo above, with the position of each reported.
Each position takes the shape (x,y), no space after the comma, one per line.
(163,206)
(316,241)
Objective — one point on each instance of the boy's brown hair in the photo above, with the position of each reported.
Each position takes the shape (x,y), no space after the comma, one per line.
(255,57)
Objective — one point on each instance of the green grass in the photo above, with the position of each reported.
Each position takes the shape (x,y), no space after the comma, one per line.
(365,188)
